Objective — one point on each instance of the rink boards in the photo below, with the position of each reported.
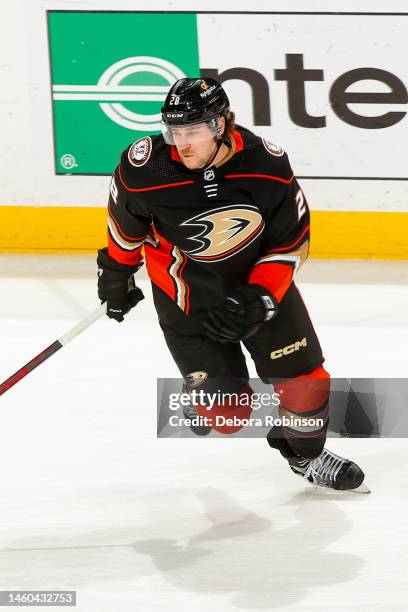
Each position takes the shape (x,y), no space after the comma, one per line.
(340,234)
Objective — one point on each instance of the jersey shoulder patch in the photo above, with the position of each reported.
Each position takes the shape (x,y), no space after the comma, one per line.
(272,148)
(264,157)
(147,163)
(139,152)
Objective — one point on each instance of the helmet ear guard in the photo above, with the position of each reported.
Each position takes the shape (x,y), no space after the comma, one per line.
(214,125)
(227,116)
(229,121)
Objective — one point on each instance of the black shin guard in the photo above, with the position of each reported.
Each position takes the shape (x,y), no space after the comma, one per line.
(289,446)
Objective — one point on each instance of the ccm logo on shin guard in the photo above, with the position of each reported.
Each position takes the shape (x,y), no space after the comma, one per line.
(287,350)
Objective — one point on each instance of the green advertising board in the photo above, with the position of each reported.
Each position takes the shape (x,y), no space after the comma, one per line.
(110,74)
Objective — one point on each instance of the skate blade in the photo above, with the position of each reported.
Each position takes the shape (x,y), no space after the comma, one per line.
(361,489)
(328,490)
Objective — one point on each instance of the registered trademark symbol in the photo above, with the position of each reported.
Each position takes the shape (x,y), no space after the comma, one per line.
(68,161)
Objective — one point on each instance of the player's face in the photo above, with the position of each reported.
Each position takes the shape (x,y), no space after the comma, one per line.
(195,144)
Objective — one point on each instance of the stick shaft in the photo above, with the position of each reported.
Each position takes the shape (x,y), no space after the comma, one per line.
(30,366)
(52,348)
(83,324)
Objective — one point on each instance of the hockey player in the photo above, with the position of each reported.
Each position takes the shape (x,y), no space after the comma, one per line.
(224,225)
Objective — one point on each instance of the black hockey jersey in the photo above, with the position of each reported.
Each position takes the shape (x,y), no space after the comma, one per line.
(206,232)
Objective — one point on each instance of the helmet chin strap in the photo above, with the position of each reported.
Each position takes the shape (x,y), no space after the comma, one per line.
(218,143)
(211,158)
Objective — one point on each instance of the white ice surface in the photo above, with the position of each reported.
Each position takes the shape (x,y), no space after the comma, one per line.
(92,501)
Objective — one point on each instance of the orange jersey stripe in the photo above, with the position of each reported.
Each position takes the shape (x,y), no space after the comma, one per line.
(276,277)
(164,186)
(262,176)
(130,258)
(158,262)
(165,265)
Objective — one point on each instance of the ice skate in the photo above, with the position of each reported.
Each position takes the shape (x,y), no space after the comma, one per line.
(330,471)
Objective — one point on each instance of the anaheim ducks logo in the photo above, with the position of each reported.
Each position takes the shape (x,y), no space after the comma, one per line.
(224,231)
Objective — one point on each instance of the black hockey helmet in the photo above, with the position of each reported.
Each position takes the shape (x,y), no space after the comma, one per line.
(192,101)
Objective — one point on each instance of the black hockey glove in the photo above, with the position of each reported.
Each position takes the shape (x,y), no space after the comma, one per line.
(243,312)
(116,286)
